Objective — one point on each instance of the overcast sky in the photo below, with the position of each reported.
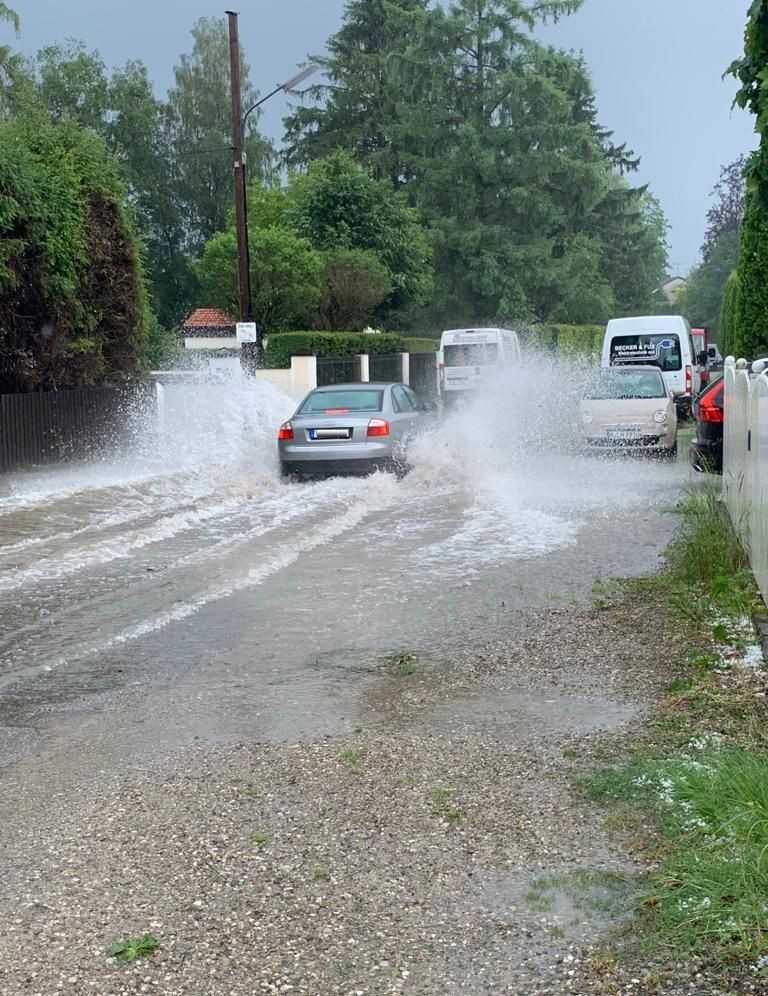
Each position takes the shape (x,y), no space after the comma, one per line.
(657,67)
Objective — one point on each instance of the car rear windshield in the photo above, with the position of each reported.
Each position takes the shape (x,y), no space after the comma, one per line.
(471,354)
(657,348)
(343,401)
(630,384)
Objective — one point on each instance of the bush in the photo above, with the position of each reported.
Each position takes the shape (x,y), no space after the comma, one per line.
(570,341)
(287,344)
(417,344)
(729,316)
(354,283)
(72,293)
(751,338)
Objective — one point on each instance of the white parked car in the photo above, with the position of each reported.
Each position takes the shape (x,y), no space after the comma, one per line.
(629,408)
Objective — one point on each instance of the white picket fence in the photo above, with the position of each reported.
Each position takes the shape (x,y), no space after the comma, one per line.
(745,461)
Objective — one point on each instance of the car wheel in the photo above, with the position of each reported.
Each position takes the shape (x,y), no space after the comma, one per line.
(671,453)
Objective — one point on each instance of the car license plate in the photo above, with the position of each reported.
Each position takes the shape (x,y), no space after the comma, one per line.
(320,434)
(626,434)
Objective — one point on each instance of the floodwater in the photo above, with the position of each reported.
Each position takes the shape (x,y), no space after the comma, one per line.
(184,593)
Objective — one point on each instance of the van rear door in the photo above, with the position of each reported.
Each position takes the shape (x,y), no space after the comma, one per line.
(658,348)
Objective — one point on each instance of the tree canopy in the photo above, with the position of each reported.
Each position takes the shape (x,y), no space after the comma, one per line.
(494,140)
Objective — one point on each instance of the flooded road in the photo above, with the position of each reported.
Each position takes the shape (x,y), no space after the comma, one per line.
(256,718)
(186,594)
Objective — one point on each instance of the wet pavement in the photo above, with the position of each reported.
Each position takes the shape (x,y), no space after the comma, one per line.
(158,612)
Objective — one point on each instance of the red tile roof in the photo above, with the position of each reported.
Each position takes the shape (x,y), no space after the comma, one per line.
(209,318)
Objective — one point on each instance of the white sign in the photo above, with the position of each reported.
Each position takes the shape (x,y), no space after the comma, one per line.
(246,332)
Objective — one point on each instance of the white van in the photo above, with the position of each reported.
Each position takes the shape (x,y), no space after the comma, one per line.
(664,341)
(468,355)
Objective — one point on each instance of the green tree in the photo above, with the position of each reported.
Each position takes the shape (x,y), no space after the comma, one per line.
(703,299)
(354,284)
(285,276)
(359,108)
(199,133)
(729,317)
(751,332)
(72,300)
(511,169)
(73,84)
(338,205)
(14,74)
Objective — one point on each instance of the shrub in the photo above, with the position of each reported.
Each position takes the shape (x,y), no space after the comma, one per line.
(287,344)
(72,293)
(566,340)
(354,283)
(419,344)
(729,316)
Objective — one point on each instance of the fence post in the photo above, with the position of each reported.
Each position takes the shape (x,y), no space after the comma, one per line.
(365,367)
(406,368)
(303,374)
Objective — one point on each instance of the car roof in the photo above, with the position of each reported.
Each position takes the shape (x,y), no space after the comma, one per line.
(359,386)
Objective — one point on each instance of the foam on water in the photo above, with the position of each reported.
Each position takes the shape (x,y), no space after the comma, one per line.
(514,450)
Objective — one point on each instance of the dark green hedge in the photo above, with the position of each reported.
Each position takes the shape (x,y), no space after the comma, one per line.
(284,345)
(729,317)
(566,340)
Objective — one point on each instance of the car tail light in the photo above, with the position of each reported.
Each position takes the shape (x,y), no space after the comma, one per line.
(378,427)
(286,431)
(710,412)
(688,380)
(711,404)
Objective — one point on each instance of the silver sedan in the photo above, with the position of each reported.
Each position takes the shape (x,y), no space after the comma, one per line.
(350,429)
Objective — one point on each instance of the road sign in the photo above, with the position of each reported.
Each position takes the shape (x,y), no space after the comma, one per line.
(246,332)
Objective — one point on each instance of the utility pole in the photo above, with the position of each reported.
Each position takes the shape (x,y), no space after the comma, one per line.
(249,351)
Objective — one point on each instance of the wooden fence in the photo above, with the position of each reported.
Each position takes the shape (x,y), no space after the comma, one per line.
(54,426)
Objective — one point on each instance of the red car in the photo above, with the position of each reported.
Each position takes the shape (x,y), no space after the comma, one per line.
(709,412)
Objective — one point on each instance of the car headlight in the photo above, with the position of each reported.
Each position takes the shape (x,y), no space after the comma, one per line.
(660,417)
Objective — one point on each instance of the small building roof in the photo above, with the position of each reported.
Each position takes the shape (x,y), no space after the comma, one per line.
(209,318)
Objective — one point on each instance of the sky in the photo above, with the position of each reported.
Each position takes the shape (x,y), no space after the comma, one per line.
(657,66)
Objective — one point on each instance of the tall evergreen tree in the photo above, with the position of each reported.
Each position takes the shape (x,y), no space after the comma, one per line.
(358,108)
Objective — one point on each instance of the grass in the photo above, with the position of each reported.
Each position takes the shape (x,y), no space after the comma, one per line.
(352,759)
(134,948)
(442,805)
(261,838)
(698,784)
(405,665)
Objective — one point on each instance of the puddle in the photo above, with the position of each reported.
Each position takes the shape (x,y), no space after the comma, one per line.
(513,712)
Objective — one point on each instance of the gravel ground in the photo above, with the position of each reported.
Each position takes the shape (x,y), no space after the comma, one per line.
(438,849)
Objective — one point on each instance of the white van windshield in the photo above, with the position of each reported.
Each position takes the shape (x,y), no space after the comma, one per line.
(663,350)
(471,354)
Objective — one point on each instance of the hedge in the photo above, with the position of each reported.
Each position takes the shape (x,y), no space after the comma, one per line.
(416,344)
(729,317)
(283,346)
(566,340)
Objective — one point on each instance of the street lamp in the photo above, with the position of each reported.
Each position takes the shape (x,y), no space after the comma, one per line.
(249,351)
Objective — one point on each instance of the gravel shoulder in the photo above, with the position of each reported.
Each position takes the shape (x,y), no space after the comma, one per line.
(411,856)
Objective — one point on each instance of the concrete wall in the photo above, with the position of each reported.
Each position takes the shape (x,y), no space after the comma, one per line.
(745,461)
(219,342)
(296,382)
